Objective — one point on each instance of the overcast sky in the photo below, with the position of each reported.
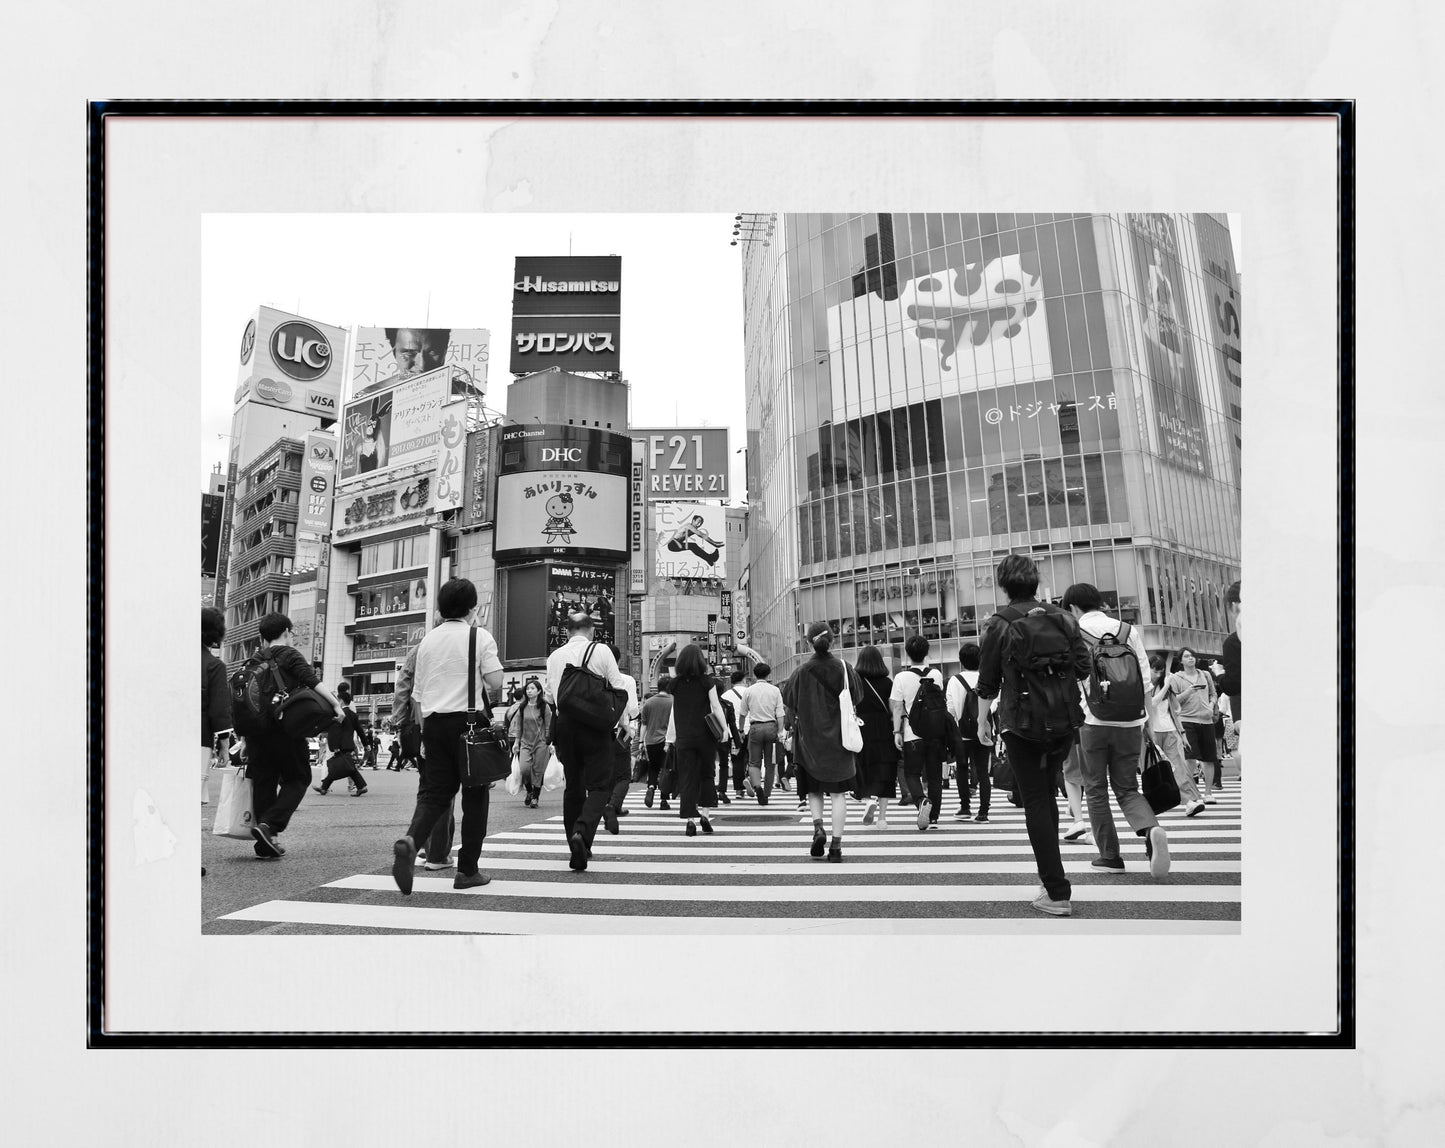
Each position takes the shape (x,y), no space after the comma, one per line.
(682,316)
(682,325)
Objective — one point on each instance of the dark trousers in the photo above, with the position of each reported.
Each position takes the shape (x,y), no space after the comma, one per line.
(1034,763)
(586,757)
(656,753)
(439,844)
(280,771)
(724,766)
(923,766)
(621,773)
(694,779)
(342,765)
(974,758)
(440,779)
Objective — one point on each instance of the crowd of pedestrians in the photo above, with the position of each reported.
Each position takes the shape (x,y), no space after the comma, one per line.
(1055,700)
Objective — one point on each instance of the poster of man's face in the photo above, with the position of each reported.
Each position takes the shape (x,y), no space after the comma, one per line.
(387,355)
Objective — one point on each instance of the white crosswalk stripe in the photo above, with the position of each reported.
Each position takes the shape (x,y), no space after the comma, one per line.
(753,875)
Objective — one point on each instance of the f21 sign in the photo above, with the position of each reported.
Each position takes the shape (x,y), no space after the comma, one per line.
(684,463)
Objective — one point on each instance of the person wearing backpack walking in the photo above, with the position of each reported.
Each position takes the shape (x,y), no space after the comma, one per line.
(1112,736)
(1031,658)
(278,764)
(920,724)
(971,754)
(584,750)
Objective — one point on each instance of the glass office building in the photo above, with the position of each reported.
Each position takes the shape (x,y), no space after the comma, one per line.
(929,392)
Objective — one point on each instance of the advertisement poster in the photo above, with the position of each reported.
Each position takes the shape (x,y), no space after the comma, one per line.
(636,524)
(211,507)
(962,312)
(395,426)
(1168,348)
(562,491)
(386,643)
(566,312)
(1221,285)
(477,492)
(400,597)
(690,540)
(571,342)
(577,586)
(387,355)
(318,482)
(561,512)
(451,467)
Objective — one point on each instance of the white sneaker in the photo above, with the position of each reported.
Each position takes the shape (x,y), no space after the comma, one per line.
(1194,808)
(1076,830)
(870,813)
(1158,850)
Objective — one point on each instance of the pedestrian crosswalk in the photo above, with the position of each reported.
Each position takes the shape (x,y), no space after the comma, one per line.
(754,875)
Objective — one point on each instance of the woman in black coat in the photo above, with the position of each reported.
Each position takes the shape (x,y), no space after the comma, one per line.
(215,696)
(695,694)
(878,763)
(814,712)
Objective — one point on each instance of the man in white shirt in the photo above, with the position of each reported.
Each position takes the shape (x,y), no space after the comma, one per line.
(1109,745)
(442,690)
(622,748)
(762,714)
(922,756)
(734,755)
(972,754)
(585,753)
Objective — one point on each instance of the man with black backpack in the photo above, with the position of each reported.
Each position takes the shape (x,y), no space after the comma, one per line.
(969,752)
(1032,658)
(278,764)
(582,737)
(1111,737)
(920,724)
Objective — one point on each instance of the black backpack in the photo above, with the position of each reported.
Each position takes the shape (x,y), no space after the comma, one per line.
(968,723)
(1039,646)
(1116,688)
(255,688)
(587,699)
(928,715)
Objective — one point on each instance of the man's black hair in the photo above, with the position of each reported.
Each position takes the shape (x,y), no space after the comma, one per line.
(969,656)
(272,626)
(1018,577)
(916,647)
(456,598)
(1083,595)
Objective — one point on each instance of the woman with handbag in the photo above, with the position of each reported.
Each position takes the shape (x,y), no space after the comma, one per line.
(878,763)
(815,701)
(1167,738)
(1193,690)
(530,728)
(695,698)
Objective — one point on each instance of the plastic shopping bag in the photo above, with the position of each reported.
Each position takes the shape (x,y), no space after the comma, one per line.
(514,779)
(554,776)
(234,816)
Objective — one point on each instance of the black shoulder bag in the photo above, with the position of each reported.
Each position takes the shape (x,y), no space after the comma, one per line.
(484,754)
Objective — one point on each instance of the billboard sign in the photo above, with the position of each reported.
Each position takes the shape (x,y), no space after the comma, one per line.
(401,597)
(452,467)
(637,523)
(290,362)
(397,426)
(573,586)
(318,483)
(685,462)
(1168,346)
(477,494)
(562,491)
(389,505)
(568,342)
(690,540)
(567,285)
(211,507)
(388,355)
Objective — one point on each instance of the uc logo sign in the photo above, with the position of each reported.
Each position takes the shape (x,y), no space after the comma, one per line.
(300,350)
(248,341)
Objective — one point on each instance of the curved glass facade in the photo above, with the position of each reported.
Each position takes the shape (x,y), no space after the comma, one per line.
(928,392)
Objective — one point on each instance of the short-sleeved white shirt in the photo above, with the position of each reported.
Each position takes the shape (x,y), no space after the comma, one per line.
(440,684)
(905,689)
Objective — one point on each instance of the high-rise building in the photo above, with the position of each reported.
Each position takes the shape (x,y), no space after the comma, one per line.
(213,502)
(263,544)
(929,392)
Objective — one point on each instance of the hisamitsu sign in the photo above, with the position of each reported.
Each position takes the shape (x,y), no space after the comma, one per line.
(685,463)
